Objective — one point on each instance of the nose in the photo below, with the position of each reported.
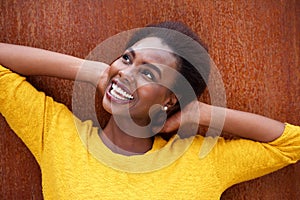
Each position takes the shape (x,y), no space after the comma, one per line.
(127,74)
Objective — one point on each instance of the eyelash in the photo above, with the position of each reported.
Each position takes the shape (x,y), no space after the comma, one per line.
(126,59)
(147,73)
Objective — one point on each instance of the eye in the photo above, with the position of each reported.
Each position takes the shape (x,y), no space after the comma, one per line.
(126,59)
(147,73)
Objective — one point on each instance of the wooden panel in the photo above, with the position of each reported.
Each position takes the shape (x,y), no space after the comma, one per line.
(255,45)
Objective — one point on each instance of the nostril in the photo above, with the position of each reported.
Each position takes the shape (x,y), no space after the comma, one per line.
(126,76)
(121,73)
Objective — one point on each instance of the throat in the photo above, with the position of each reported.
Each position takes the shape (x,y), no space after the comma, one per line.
(120,142)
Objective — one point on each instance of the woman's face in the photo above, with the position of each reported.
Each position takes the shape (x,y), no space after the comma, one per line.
(141,78)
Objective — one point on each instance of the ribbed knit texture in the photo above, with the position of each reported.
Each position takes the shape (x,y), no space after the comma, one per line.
(75,165)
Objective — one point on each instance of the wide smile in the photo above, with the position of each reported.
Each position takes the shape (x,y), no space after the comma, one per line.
(118,93)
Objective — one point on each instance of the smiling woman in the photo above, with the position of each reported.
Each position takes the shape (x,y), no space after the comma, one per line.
(127,159)
(143,71)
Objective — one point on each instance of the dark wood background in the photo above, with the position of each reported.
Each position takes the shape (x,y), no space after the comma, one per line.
(255,45)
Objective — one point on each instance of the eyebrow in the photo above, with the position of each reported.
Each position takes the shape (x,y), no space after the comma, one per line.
(152,66)
(131,51)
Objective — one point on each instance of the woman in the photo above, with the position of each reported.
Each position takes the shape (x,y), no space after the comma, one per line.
(132,164)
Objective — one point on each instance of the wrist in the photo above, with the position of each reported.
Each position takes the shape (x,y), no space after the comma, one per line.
(90,71)
(205,114)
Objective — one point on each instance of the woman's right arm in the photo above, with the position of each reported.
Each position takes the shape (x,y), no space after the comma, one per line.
(30,113)
(33,61)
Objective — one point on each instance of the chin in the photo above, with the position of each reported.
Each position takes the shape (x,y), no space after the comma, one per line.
(106,105)
(120,111)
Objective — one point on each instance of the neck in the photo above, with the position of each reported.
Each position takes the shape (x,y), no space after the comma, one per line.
(121,142)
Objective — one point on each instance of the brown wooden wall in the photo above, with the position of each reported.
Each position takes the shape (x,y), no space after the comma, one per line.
(255,45)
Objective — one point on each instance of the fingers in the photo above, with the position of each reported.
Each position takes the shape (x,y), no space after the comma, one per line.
(190,114)
(172,123)
(103,81)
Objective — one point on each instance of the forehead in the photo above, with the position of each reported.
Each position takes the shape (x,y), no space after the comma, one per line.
(152,42)
(152,50)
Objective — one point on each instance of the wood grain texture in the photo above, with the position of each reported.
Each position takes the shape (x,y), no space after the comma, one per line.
(254,44)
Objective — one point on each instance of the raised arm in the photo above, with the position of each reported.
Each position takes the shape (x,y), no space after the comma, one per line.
(29,112)
(242,124)
(245,124)
(33,61)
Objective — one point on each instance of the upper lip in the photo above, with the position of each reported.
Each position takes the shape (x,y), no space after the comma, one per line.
(122,86)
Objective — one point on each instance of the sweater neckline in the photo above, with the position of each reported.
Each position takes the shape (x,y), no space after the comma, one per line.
(158,143)
(162,154)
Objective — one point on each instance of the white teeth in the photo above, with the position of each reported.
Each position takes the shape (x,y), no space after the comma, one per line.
(120,93)
(113,92)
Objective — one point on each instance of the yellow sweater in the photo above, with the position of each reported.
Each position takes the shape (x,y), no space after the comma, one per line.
(69,171)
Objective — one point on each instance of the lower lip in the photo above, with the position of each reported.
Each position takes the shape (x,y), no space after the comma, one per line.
(114,99)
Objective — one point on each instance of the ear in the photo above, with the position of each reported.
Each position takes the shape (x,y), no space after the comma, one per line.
(171,100)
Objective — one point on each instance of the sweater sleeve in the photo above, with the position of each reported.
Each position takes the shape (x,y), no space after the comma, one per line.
(27,111)
(241,160)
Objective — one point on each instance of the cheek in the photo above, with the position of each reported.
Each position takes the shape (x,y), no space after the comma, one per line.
(115,67)
(113,71)
(155,94)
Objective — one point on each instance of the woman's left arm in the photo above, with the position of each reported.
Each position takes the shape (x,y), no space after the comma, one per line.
(242,124)
(240,160)
(245,124)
